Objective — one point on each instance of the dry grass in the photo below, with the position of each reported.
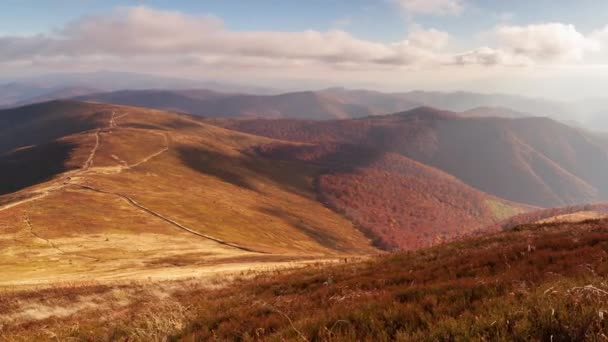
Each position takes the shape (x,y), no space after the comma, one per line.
(144,310)
(541,282)
(192,173)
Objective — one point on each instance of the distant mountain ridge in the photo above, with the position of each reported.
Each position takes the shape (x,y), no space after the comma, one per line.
(537,161)
(253,101)
(55,86)
(333,103)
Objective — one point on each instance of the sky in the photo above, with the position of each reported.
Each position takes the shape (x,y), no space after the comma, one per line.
(550,48)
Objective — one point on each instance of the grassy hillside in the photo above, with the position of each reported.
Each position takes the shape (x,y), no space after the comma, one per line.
(536,161)
(140,191)
(537,282)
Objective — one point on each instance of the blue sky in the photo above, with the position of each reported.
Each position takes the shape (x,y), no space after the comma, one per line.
(396,43)
(377,19)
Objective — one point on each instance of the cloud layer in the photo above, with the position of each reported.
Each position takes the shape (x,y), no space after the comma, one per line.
(142,31)
(546,42)
(174,37)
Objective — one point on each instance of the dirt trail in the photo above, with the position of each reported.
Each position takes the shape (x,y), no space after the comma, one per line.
(89,162)
(87,169)
(112,123)
(146,159)
(168,220)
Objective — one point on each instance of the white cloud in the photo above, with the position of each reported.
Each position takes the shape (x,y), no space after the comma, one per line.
(600,36)
(430,39)
(551,42)
(431,7)
(141,36)
(142,31)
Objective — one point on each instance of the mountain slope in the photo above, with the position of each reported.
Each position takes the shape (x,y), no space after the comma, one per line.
(124,186)
(529,160)
(536,282)
(402,203)
(542,282)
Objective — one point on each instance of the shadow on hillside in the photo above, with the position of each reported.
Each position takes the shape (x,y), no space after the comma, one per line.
(250,170)
(30,166)
(315,233)
(227,169)
(330,156)
(16,132)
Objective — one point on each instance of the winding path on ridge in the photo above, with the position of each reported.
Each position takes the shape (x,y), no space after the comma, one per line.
(168,220)
(87,164)
(87,168)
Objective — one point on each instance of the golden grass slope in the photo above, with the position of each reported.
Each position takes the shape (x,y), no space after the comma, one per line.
(150,193)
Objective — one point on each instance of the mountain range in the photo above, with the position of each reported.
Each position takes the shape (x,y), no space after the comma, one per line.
(236,100)
(537,161)
(125,194)
(334,103)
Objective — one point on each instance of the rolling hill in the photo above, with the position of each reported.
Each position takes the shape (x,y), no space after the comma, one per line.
(98,188)
(537,161)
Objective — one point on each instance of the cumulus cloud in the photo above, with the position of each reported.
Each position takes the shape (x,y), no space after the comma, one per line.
(429,39)
(531,45)
(143,31)
(147,35)
(549,42)
(431,7)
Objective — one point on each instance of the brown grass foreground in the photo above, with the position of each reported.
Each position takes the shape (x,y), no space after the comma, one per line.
(538,282)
